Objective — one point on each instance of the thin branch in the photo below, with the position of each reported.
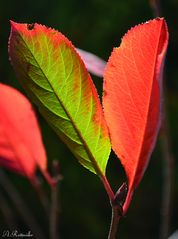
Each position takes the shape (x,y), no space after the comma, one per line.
(54,211)
(20,205)
(168,177)
(156,7)
(41,193)
(114,223)
(168,159)
(7,212)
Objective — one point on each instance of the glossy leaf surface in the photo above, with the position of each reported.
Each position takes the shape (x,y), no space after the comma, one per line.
(132,97)
(55,77)
(21,147)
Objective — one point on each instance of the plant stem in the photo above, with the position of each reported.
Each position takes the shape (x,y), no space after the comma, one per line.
(156,7)
(168,175)
(54,212)
(114,223)
(115,212)
(108,188)
(41,193)
(7,212)
(20,205)
(168,159)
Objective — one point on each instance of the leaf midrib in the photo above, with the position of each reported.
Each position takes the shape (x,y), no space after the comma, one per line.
(90,155)
(148,107)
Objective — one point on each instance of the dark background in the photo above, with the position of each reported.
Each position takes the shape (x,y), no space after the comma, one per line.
(96,26)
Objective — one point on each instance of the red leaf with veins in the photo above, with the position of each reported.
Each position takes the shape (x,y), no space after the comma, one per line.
(21,147)
(132,97)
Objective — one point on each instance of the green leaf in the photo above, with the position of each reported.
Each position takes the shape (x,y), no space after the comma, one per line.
(54,76)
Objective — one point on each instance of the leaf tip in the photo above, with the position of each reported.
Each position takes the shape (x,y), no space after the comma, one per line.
(149,22)
(13,24)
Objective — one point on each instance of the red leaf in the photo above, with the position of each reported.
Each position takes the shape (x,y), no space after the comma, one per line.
(21,147)
(132,97)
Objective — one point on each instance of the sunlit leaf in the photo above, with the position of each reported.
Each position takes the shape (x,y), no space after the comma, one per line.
(55,77)
(132,97)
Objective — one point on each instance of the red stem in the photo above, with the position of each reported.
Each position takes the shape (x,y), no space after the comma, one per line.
(115,215)
(107,188)
(114,223)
